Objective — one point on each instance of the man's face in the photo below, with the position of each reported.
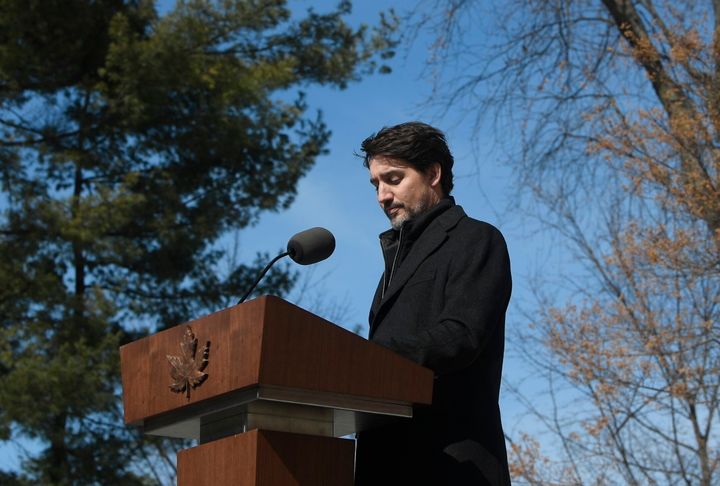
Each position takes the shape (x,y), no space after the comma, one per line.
(402,191)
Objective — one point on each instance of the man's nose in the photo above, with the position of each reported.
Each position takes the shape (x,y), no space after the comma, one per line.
(384,195)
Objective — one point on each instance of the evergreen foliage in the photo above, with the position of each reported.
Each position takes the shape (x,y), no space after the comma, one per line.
(130,142)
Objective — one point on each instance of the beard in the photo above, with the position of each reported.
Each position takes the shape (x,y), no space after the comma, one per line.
(408,212)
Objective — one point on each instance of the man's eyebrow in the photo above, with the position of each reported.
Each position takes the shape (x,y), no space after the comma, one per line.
(391,172)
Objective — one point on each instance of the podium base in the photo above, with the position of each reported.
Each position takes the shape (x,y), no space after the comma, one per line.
(268,458)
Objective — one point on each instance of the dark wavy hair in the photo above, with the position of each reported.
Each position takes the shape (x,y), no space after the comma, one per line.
(418,144)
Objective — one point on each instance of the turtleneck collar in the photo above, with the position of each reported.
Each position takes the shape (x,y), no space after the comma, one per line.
(413,228)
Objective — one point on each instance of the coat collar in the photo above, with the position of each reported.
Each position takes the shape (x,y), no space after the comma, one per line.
(433,236)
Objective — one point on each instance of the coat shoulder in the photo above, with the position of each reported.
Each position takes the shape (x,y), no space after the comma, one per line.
(472,230)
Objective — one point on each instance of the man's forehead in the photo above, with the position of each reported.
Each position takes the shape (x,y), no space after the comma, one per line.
(385,162)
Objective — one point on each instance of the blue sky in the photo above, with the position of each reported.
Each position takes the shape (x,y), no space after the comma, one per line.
(337,194)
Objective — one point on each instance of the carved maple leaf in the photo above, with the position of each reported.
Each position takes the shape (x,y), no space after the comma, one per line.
(186,371)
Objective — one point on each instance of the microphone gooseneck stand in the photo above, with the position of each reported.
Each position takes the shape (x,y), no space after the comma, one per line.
(262,274)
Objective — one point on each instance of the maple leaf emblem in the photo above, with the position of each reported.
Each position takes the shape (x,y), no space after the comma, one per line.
(186,371)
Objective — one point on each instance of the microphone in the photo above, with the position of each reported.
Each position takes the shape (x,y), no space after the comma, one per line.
(311,246)
(307,247)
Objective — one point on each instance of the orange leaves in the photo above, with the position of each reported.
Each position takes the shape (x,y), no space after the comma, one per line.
(595,427)
(591,345)
(642,45)
(646,339)
(653,345)
(671,157)
(679,389)
(661,249)
(686,45)
(527,457)
(667,150)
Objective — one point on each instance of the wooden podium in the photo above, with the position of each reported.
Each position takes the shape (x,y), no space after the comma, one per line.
(268,390)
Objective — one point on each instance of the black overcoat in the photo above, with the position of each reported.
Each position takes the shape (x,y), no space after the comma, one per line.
(445,309)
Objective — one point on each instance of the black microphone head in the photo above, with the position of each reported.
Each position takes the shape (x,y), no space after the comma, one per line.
(311,246)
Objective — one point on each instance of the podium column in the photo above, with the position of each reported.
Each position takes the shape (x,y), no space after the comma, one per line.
(268,458)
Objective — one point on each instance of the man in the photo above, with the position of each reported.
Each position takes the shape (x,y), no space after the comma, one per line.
(441,302)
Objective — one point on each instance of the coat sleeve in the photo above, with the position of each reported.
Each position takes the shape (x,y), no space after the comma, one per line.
(476,296)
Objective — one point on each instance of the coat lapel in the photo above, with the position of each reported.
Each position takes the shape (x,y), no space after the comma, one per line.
(433,236)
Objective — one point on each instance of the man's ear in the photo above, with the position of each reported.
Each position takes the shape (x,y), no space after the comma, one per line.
(434,175)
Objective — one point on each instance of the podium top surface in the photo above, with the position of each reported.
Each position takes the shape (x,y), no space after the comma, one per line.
(268,343)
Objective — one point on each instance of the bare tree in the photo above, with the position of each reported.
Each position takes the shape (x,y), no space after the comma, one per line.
(610,115)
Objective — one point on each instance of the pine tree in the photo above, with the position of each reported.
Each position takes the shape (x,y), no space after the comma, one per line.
(130,143)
